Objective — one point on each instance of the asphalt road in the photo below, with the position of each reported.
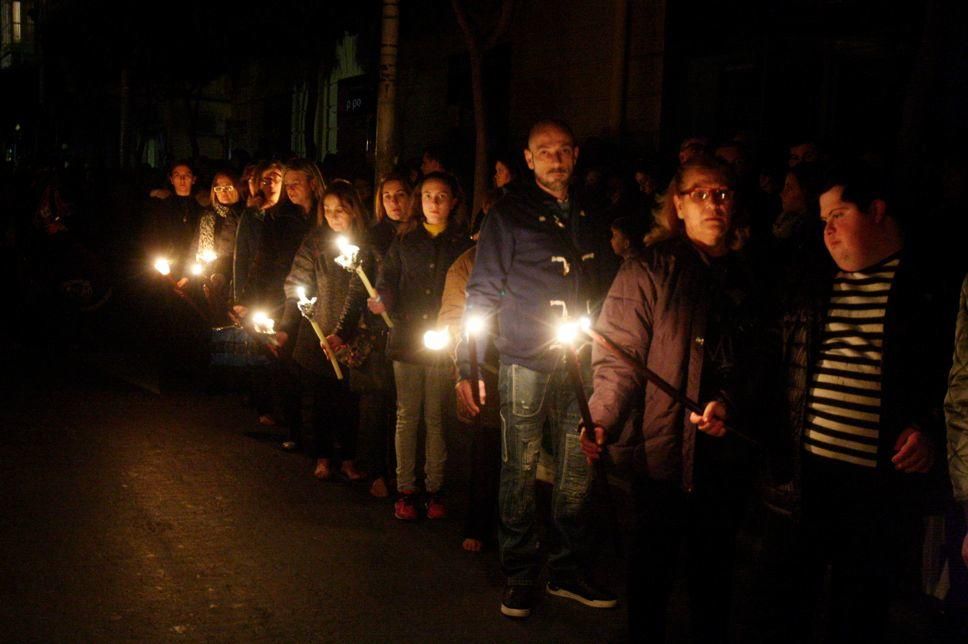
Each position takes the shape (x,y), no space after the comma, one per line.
(132,516)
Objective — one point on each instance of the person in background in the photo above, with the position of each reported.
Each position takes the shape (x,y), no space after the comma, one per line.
(374,380)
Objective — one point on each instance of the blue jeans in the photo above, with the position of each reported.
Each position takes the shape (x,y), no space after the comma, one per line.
(528,399)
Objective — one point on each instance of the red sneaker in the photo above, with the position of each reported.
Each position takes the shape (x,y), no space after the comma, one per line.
(435,506)
(405,509)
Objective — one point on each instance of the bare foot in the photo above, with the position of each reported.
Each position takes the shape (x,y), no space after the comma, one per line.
(472,545)
(379,488)
(322,469)
(348,469)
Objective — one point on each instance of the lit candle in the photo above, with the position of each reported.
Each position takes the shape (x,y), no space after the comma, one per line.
(349,258)
(436,340)
(307,306)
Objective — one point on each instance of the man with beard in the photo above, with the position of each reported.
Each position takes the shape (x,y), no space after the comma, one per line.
(537,252)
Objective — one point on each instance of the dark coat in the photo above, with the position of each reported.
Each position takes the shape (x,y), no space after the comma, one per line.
(658,310)
(915,361)
(283,228)
(529,255)
(411,283)
(339,304)
(171,227)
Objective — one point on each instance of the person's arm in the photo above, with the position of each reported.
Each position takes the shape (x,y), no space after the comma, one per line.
(302,274)
(956,408)
(487,280)
(388,281)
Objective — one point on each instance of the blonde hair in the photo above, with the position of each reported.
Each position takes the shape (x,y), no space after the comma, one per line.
(667,222)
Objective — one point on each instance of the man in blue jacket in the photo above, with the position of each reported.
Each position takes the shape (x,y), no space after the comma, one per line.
(537,256)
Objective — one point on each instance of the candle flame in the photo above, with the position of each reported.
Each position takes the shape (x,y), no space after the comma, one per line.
(475,324)
(567,332)
(262,322)
(436,340)
(301,293)
(209,256)
(196,269)
(163,266)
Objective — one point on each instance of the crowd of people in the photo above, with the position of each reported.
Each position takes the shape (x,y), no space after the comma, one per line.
(768,344)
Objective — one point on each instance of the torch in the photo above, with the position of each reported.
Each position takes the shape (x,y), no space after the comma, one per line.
(475,324)
(163,266)
(567,334)
(609,345)
(265,327)
(308,309)
(349,259)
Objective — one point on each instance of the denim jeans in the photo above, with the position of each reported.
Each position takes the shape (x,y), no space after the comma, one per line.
(420,388)
(528,399)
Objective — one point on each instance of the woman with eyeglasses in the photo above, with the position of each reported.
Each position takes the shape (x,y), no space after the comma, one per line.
(686,308)
(214,243)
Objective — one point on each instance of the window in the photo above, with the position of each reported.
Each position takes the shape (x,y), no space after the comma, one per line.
(15,21)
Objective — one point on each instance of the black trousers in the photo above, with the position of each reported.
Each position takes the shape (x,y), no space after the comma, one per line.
(481,520)
(703,524)
(332,410)
(852,525)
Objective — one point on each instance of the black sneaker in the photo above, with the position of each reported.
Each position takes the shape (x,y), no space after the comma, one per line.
(517,601)
(582,591)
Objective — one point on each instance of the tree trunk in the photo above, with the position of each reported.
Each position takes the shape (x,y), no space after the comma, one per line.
(312,98)
(386,110)
(475,50)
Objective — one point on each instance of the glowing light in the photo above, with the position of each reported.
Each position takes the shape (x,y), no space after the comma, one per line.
(263,323)
(436,340)
(209,256)
(475,325)
(163,266)
(585,323)
(301,294)
(196,269)
(348,253)
(567,332)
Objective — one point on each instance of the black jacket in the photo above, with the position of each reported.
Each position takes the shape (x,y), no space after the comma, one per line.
(340,297)
(529,254)
(915,362)
(283,228)
(171,227)
(411,283)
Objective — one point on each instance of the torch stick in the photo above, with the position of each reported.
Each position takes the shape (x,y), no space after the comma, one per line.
(163,266)
(308,309)
(349,259)
(609,345)
(566,337)
(474,327)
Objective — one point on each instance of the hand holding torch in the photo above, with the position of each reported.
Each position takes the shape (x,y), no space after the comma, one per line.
(568,332)
(308,309)
(349,259)
(473,329)
(163,266)
(609,345)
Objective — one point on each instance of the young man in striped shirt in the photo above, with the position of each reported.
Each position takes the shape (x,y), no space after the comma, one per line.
(865,366)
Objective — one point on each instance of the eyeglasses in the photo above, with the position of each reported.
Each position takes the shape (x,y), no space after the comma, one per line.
(717,196)
(220,189)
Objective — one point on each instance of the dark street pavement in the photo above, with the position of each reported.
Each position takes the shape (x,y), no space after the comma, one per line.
(127,515)
(131,512)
